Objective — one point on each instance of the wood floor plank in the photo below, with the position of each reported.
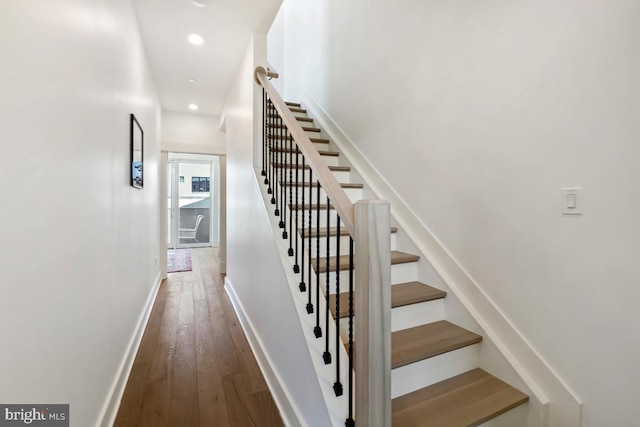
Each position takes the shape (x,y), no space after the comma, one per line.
(267,410)
(169,324)
(156,402)
(257,383)
(194,366)
(185,315)
(185,381)
(130,410)
(211,398)
(185,412)
(240,405)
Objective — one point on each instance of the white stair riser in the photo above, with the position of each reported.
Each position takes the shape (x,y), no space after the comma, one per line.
(352,193)
(344,244)
(412,315)
(429,371)
(402,273)
(340,175)
(320,146)
(405,271)
(328,160)
(407,316)
(323,217)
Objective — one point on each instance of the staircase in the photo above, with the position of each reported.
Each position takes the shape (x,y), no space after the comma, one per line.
(435,376)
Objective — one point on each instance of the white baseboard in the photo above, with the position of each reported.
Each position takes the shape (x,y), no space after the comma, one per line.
(288,411)
(563,408)
(112,405)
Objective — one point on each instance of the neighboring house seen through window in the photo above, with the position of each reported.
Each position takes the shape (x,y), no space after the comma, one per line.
(200,184)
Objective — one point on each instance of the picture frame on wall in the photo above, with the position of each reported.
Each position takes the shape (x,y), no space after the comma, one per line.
(137,153)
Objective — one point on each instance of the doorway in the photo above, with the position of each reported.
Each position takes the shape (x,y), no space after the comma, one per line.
(192,201)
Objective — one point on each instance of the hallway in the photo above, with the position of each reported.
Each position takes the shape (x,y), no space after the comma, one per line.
(194,366)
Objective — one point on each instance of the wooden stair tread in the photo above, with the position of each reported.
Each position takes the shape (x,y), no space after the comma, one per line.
(305,128)
(424,341)
(397,257)
(331,168)
(298,110)
(414,292)
(466,400)
(401,294)
(299,118)
(332,231)
(315,184)
(321,152)
(292,104)
(316,140)
(320,140)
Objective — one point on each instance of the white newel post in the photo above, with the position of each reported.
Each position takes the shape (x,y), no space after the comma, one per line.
(372,313)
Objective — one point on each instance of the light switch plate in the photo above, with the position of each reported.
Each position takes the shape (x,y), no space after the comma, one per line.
(571,201)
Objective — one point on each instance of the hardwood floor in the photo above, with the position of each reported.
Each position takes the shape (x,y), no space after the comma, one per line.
(194,366)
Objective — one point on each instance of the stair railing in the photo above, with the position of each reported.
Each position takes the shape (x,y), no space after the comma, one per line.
(302,184)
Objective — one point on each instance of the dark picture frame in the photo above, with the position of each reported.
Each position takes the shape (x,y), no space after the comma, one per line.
(136,135)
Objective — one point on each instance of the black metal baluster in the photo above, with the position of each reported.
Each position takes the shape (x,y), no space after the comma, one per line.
(350,422)
(302,286)
(284,183)
(296,266)
(318,330)
(283,176)
(267,179)
(327,354)
(276,170)
(309,302)
(291,184)
(264,132)
(272,170)
(337,386)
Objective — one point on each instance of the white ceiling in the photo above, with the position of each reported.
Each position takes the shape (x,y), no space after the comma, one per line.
(226,26)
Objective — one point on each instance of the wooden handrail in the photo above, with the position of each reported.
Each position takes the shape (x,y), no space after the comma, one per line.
(328,181)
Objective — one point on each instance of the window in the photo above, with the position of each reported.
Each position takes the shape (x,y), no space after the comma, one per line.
(200,184)
(181,178)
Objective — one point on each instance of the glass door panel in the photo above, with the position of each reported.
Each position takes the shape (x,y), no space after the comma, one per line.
(194,203)
(170,204)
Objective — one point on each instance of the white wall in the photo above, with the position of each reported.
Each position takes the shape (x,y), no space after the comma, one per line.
(79,244)
(254,269)
(275,53)
(478,114)
(191,133)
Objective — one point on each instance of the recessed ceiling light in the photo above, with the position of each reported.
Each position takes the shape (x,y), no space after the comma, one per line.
(196,39)
(192,80)
(200,3)
(193,107)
